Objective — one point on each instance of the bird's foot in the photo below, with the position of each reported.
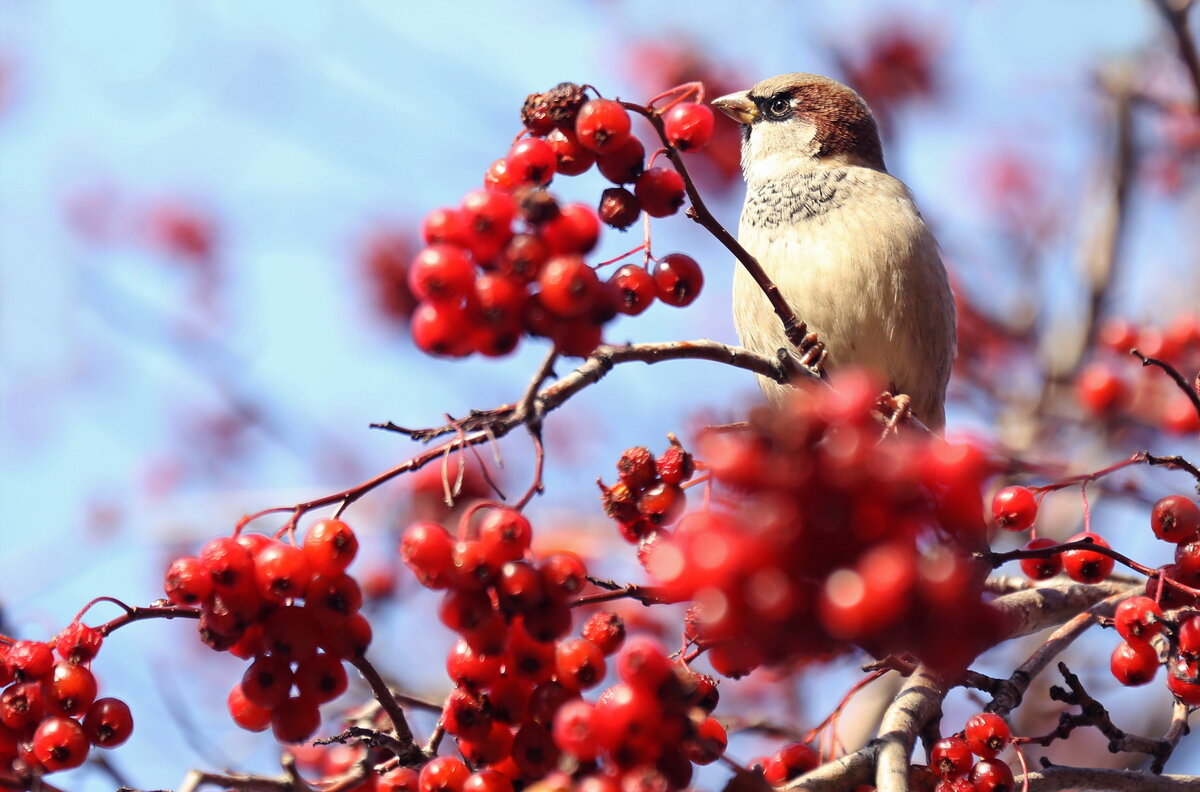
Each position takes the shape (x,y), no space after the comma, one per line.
(812,352)
(898,407)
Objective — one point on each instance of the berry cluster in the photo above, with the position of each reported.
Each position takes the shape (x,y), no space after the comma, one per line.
(1149,634)
(516,706)
(49,714)
(649,492)
(1107,387)
(830,537)
(509,260)
(953,758)
(1015,508)
(292,611)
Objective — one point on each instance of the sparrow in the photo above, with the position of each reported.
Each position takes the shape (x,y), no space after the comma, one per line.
(842,239)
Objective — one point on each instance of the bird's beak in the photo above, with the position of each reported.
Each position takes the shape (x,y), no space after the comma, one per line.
(738,107)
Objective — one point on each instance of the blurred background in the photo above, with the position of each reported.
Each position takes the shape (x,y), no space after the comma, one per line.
(206,208)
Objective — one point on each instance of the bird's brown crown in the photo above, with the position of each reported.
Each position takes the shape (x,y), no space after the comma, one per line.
(845,128)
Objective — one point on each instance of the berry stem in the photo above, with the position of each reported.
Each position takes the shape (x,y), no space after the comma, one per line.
(1174,374)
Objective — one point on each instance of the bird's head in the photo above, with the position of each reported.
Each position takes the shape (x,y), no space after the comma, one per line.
(799,122)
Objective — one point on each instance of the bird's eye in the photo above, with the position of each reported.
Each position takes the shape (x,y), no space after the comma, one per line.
(779,108)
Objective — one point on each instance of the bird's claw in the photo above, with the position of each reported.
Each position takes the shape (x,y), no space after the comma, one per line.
(900,407)
(812,352)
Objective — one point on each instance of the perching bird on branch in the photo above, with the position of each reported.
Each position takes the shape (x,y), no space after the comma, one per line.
(841,238)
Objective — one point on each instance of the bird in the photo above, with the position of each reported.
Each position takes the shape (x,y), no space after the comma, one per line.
(842,240)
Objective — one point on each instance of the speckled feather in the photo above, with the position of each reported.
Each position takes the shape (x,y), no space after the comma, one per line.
(844,243)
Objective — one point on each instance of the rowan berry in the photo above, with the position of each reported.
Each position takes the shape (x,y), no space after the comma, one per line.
(575,229)
(108,723)
(574,730)
(428,551)
(1041,568)
(29,660)
(281,571)
(992,775)
(619,208)
(987,734)
(267,681)
(1087,566)
(790,761)
(295,720)
(1138,617)
(68,690)
(678,279)
(606,630)
(1014,508)
(675,466)
(689,126)
(951,757)
(660,191)
(1176,519)
(531,161)
(443,774)
(60,744)
(1134,662)
(444,227)
(246,713)
(568,286)
(602,125)
(623,164)
(708,743)
(578,663)
(78,643)
(1100,389)
(330,546)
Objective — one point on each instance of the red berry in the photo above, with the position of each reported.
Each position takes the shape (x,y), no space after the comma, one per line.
(1185,691)
(443,774)
(441,273)
(60,744)
(444,226)
(229,564)
(1138,618)
(1041,568)
(330,546)
(619,208)
(187,582)
(689,126)
(1014,508)
(428,551)
(398,779)
(267,681)
(623,164)
(505,534)
(1119,335)
(992,775)
(531,161)
(574,730)
(69,690)
(497,177)
(678,279)
(708,743)
(30,660)
(488,215)
(1100,390)
(579,664)
(487,781)
(78,643)
(295,720)
(332,599)
(1176,519)
(108,723)
(636,289)
(951,757)
(606,630)
(568,286)
(466,715)
(350,640)
(602,125)
(1189,636)
(472,669)
(246,713)
(563,573)
(1087,566)
(281,572)
(987,734)
(660,191)
(571,158)
(1134,663)
(675,466)
(790,761)
(636,468)
(662,504)
(21,705)
(643,663)
(290,632)
(575,229)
